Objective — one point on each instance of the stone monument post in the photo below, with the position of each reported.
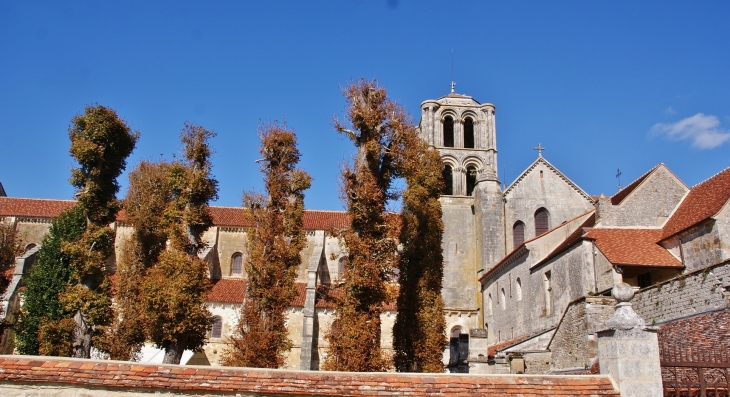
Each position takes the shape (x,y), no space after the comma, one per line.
(629,351)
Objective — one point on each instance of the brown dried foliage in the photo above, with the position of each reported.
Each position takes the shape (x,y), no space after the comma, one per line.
(10,247)
(377,127)
(419,331)
(261,338)
(146,201)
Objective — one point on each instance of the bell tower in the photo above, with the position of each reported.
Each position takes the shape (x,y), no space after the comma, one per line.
(463,131)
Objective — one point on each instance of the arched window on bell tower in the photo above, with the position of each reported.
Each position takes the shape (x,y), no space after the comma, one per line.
(448,132)
(469,133)
(448,175)
(471,179)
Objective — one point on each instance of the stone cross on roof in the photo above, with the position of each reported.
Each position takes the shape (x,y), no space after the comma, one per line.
(539,149)
(453,84)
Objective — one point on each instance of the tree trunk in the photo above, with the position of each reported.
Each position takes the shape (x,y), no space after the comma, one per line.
(81,337)
(173,353)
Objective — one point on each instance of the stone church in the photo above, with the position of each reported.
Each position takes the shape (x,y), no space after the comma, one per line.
(528,268)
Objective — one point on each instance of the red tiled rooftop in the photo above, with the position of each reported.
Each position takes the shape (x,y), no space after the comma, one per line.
(36,208)
(88,376)
(492,350)
(222,216)
(703,201)
(633,247)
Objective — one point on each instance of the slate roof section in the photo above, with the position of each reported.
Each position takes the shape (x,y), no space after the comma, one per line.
(633,247)
(33,208)
(90,376)
(702,202)
(222,216)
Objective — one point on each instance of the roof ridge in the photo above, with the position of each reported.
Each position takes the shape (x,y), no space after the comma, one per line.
(555,170)
(710,178)
(38,199)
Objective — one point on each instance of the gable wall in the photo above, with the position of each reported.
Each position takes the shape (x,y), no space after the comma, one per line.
(551,191)
(649,205)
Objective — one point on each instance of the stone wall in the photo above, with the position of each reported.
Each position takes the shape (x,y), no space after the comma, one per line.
(524,309)
(44,376)
(708,242)
(459,283)
(701,291)
(575,344)
(649,205)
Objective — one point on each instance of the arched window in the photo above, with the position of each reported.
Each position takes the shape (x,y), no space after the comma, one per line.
(217,329)
(30,247)
(541,221)
(448,175)
(503,301)
(448,132)
(469,133)
(237,264)
(518,289)
(471,179)
(518,234)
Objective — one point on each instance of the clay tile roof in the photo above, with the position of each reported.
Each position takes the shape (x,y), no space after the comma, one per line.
(227,290)
(492,350)
(618,197)
(222,216)
(703,201)
(37,208)
(141,378)
(633,247)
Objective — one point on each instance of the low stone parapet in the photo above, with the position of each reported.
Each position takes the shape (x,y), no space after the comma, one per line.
(50,376)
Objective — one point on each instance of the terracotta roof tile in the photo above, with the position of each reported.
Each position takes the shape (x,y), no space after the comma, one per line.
(492,350)
(618,197)
(85,374)
(227,290)
(633,247)
(703,201)
(37,208)
(222,216)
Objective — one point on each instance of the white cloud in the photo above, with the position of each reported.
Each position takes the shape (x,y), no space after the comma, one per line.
(670,110)
(702,130)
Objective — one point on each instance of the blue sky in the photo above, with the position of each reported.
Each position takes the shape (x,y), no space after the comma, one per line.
(601,85)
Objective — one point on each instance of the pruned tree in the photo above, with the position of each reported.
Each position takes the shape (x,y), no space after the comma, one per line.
(261,338)
(371,241)
(174,289)
(147,198)
(100,143)
(419,336)
(48,278)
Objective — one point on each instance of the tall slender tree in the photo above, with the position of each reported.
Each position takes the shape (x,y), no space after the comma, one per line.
(100,143)
(147,198)
(173,291)
(277,237)
(419,332)
(371,241)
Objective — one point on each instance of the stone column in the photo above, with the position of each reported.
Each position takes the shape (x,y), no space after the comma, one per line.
(629,351)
